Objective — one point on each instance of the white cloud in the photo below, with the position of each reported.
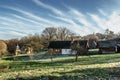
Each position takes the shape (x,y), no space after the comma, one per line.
(14,33)
(102,12)
(10,20)
(67,20)
(32,16)
(74,15)
(101,23)
(11,34)
(80,17)
(25,19)
(53,9)
(112,22)
(76,12)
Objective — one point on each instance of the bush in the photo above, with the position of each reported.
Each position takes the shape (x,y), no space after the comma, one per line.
(3,48)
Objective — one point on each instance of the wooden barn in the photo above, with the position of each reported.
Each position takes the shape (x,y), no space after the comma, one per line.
(64,47)
(60,46)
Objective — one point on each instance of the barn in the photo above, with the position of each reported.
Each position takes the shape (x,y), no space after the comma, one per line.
(64,47)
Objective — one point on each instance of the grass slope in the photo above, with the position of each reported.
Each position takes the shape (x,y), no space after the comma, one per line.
(63,68)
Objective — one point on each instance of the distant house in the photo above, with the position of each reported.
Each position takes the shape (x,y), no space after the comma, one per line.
(65,46)
(110,46)
(116,41)
(107,46)
(118,47)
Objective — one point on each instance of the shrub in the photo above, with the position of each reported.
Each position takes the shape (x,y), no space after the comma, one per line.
(3,48)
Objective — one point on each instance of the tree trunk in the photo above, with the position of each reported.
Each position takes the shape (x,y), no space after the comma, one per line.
(51,59)
(51,55)
(76,59)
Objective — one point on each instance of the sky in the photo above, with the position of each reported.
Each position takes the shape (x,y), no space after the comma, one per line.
(18,18)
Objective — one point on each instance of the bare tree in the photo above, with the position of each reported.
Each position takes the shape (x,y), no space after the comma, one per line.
(91,36)
(49,33)
(109,34)
(63,33)
(118,35)
(75,46)
(100,36)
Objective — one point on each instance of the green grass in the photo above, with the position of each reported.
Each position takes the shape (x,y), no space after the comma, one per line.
(62,68)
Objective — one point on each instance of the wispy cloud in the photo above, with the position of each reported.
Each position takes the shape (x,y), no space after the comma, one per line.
(80,17)
(11,34)
(25,19)
(102,12)
(111,23)
(101,23)
(49,7)
(29,23)
(31,15)
(72,17)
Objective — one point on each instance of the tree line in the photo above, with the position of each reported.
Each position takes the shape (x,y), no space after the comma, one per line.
(41,41)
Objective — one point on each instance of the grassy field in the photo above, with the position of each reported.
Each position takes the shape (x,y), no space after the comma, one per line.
(62,68)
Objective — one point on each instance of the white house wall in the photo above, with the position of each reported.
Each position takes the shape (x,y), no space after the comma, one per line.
(68,51)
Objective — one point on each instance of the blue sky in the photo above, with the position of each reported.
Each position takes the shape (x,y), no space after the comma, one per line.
(19,18)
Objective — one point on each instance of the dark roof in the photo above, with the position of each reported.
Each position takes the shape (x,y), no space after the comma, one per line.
(66,44)
(106,44)
(116,40)
(59,44)
(82,43)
